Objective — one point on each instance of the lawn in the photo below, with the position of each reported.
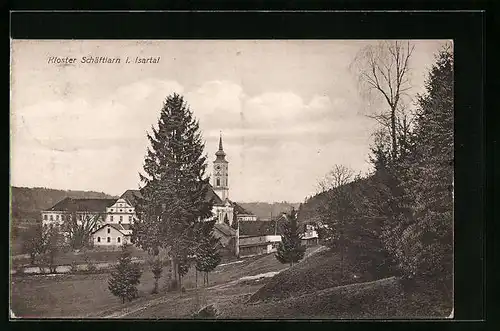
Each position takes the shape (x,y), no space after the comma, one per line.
(96,255)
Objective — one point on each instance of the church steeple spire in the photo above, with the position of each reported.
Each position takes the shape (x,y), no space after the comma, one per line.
(220,152)
(220,142)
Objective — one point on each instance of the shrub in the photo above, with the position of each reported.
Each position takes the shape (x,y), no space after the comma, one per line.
(91,266)
(73,268)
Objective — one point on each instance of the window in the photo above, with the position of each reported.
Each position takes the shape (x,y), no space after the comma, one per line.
(51,217)
(109,239)
(130,210)
(111,218)
(62,217)
(81,217)
(109,230)
(98,239)
(218,182)
(121,218)
(111,210)
(57,217)
(121,210)
(45,217)
(130,218)
(118,239)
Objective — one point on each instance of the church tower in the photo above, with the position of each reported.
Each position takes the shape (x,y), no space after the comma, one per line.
(220,175)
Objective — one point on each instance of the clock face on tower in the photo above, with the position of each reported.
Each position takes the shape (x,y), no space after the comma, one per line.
(217,167)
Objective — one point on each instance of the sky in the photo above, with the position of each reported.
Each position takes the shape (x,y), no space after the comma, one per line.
(288,110)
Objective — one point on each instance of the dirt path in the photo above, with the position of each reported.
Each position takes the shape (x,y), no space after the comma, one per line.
(213,293)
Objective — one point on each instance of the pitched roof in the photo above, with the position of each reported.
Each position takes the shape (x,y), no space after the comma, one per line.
(212,196)
(240,210)
(82,204)
(260,228)
(225,229)
(132,196)
(114,226)
(124,226)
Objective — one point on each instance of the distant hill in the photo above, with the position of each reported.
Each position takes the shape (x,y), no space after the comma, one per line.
(28,202)
(264,210)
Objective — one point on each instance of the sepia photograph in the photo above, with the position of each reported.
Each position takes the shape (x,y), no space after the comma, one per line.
(231,179)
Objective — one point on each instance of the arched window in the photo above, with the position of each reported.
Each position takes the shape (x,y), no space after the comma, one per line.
(118,239)
(45,217)
(98,239)
(218,182)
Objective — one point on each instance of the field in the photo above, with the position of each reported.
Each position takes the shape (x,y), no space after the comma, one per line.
(95,255)
(87,295)
(258,287)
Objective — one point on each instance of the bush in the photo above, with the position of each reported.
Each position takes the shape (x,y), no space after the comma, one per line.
(91,266)
(19,270)
(73,268)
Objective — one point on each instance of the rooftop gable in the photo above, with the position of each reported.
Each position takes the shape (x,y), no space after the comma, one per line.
(83,205)
(260,228)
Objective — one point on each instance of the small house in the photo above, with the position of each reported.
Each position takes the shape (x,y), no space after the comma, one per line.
(111,235)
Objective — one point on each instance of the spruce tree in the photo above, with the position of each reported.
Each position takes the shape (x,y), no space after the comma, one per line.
(174,185)
(207,254)
(428,239)
(290,249)
(125,277)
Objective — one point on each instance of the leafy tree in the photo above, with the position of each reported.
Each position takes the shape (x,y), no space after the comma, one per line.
(53,245)
(338,210)
(156,265)
(384,68)
(79,225)
(290,249)
(207,253)
(34,240)
(414,191)
(174,185)
(125,277)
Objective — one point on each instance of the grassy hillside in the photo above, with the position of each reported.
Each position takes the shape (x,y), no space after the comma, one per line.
(319,271)
(28,202)
(264,210)
(313,288)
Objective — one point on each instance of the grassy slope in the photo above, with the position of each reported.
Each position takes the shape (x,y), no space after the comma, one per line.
(313,289)
(317,272)
(378,299)
(88,296)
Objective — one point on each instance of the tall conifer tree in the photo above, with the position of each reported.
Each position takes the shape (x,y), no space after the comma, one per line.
(290,249)
(174,185)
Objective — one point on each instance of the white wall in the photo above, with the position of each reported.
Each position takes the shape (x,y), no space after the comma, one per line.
(113,235)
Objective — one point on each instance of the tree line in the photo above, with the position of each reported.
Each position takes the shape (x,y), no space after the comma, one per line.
(405,206)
